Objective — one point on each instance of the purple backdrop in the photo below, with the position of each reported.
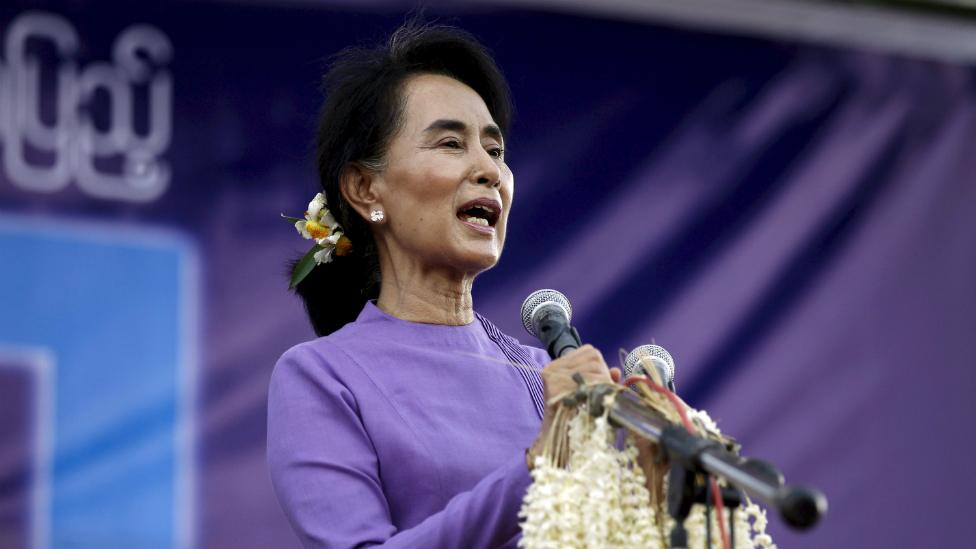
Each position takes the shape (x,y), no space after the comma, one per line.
(795,223)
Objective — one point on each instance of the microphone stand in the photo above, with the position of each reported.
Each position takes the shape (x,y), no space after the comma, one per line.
(691,456)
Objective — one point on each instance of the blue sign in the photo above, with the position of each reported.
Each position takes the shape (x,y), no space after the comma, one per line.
(114,311)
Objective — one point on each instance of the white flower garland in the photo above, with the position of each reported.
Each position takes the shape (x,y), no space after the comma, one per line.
(748,535)
(598,501)
(598,498)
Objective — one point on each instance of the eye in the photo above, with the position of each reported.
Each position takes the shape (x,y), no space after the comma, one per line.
(497,152)
(452,144)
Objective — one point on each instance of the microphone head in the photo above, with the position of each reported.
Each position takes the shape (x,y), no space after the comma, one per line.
(540,299)
(660,356)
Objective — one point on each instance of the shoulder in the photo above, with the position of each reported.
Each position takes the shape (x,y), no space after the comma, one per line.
(323,363)
(331,352)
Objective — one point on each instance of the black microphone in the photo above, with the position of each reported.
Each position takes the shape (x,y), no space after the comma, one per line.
(656,355)
(546,315)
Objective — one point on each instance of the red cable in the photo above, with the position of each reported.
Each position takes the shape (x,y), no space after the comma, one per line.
(668,394)
(679,407)
(720,509)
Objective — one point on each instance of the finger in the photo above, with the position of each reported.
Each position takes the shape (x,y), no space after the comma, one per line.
(615,374)
(585,353)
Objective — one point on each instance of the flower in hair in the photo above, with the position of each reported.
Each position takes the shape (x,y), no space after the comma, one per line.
(330,241)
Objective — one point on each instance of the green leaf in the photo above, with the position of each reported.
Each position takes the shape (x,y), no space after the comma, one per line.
(292,219)
(303,267)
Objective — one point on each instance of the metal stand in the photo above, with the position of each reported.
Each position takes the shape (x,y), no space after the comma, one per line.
(692,456)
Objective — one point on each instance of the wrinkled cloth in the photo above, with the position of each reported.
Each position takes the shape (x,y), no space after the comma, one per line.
(404,434)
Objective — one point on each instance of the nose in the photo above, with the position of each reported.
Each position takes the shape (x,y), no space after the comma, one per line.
(490,182)
(487,171)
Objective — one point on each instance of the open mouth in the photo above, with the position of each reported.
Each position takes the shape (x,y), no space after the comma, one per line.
(481,211)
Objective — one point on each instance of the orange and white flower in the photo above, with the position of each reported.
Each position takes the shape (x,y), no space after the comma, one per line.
(319,223)
(321,226)
(323,256)
(315,206)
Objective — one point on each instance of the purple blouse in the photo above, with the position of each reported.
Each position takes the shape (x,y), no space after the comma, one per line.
(404,434)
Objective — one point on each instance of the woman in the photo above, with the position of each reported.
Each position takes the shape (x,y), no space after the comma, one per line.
(413,421)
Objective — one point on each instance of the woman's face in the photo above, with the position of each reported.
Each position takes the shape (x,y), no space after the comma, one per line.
(445,187)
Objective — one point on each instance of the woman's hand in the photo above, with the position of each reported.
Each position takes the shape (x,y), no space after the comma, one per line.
(557,377)
(655,468)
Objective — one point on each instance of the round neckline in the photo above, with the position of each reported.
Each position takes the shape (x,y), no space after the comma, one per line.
(371,311)
(379,323)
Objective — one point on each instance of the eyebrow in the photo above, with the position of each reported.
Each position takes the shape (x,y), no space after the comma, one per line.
(443,124)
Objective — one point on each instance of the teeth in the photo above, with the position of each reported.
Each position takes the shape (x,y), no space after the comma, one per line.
(478,220)
(483,208)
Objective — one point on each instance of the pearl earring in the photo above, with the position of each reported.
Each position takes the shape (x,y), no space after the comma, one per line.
(376,216)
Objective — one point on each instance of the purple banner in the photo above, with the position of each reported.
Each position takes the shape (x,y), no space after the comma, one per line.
(796,224)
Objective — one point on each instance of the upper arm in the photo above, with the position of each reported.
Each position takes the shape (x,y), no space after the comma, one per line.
(323,465)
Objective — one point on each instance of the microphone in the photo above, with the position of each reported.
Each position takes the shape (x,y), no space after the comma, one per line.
(546,315)
(658,356)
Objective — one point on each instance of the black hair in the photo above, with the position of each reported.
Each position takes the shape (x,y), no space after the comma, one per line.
(362,110)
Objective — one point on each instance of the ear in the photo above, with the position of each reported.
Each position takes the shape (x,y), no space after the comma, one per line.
(358,186)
